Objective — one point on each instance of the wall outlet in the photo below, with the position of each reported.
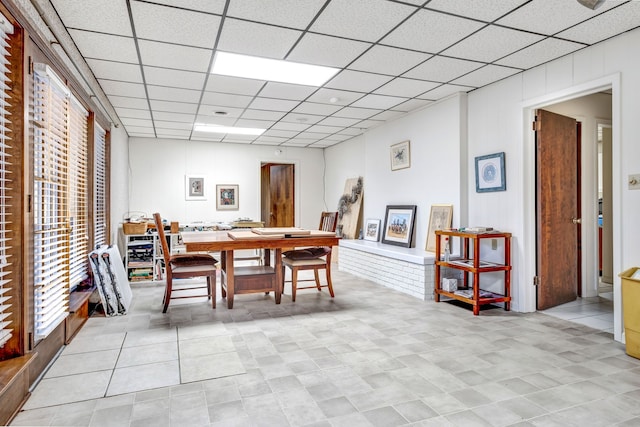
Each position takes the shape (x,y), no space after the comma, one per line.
(634,182)
(494,244)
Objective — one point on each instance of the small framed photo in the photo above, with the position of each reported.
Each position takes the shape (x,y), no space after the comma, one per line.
(194,187)
(398,225)
(490,173)
(400,156)
(372,230)
(227,197)
(439,219)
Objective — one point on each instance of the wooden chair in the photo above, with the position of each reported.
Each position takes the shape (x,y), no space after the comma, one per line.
(186,266)
(311,259)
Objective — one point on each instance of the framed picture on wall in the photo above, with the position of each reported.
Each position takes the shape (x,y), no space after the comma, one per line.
(490,173)
(372,230)
(440,218)
(227,197)
(400,156)
(398,225)
(194,187)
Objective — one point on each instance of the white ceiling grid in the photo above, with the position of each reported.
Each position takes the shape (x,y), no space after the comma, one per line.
(152,58)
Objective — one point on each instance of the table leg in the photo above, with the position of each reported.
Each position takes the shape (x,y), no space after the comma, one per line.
(279,271)
(230,278)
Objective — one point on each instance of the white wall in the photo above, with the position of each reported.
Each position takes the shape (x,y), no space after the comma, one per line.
(119,195)
(157,178)
(435,173)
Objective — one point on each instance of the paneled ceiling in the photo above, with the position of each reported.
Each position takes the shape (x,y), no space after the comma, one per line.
(152,58)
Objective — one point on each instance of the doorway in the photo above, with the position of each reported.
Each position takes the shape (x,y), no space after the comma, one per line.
(277,194)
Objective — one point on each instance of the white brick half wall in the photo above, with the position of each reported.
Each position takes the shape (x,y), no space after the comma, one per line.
(407,270)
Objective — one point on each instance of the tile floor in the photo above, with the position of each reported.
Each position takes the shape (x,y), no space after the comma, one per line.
(596,312)
(369,357)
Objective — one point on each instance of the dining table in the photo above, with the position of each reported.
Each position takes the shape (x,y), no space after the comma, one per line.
(262,278)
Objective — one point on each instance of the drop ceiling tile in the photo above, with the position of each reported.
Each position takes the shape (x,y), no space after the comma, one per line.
(406,87)
(549,17)
(366,20)
(262,115)
(211,137)
(280,133)
(210,110)
(357,113)
(251,38)
(149,134)
(105,46)
(287,91)
(179,107)
(273,104)
(287,13)
(174,78)
(226,99)
(410,105)
(243,139)
(114,18)
(484,10)
(160,124)
(382,102)
(388,60)
(389,115)
(126,102)
(174,56)
(115,70)
(303,119)
(133,113)
(357,80)
(269,140)
(111,87)
(141,129)
(443,69)
(486,75)
(339,137)
(174,117)
(336,123)
(341,97)
(622,18)
(324,129)
(215,120)
(313,136)
(369,124)
(234,85)
(164,93)
(444,91)
(351,132)
(136,122)
(299,127)
(492,43)
(324,50)
(173,133)
(173,25)
(431,32)
(314,108)
(258,124)
(212,6)
(544,51)
(296,143)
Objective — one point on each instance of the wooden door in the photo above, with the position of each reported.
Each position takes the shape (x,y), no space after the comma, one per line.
(277,195)
(557,187)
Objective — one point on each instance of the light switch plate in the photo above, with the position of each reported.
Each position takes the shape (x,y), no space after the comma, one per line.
(634,182)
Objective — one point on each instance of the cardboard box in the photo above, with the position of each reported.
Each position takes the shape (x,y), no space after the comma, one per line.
(631,310)
(449,285)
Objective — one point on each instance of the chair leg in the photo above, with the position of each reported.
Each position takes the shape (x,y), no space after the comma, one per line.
(167,293)
(294,283)
(317,277)
(329,284)
(212,285)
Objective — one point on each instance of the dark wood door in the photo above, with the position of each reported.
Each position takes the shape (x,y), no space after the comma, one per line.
(277,195)
(557,187)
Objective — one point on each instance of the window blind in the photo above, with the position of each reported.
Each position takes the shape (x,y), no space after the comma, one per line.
(5,185)
(100,186)
(50,207)
(78,189)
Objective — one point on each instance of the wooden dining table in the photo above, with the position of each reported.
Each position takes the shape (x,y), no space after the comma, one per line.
(263,278)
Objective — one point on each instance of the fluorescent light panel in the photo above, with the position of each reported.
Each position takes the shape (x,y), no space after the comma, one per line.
(199,127)
(274,70)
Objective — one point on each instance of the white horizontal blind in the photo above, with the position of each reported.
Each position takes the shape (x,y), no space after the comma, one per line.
(100,187)
(5,185)
(50,207)
(78,188)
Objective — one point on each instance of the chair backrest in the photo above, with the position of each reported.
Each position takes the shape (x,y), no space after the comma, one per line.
(328,221)
(161,236)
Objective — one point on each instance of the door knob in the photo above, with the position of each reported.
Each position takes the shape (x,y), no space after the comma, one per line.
(576,220)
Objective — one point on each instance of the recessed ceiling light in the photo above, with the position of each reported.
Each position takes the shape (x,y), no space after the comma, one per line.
(220,113)
(275,70)
(199,127)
